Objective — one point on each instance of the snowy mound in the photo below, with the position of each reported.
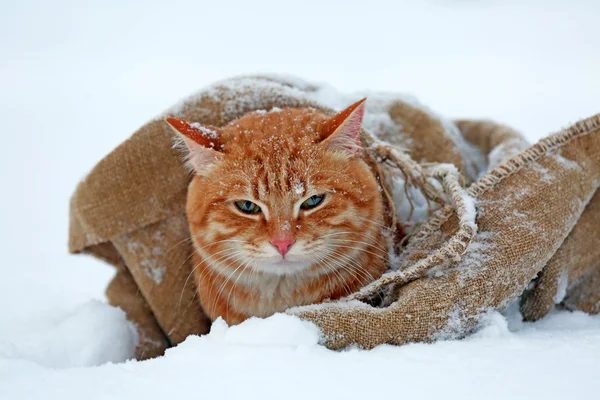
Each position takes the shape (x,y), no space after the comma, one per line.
(279,357)
(90,335)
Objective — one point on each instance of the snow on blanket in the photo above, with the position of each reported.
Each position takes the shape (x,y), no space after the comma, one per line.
(412,207)
(279,358)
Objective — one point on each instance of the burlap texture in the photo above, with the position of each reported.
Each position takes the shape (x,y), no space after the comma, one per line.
(571,269)
(527,206)
(129,211)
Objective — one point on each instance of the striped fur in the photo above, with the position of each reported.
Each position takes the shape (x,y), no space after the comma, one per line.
(278,160)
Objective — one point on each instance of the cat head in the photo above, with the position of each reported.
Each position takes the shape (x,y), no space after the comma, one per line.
(281,192)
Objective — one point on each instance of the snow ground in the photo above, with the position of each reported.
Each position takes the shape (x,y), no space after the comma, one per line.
(76,78)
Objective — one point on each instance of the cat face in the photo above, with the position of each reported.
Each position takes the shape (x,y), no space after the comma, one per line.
(282,193)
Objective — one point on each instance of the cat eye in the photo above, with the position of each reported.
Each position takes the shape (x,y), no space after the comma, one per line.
(247,207)
(312,201)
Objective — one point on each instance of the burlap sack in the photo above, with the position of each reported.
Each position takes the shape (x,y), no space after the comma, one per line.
(129,211)
(527,207)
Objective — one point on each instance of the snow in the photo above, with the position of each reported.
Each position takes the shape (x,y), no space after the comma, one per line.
(279,357)
(561,289)
(470,209)
(206,132)
(152,268)
(299,188)
(413,208)
(504,151)
(91,334)
(78,77)
(471,261)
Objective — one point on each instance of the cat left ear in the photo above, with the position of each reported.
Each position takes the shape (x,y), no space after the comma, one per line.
(201,142)
(342,131)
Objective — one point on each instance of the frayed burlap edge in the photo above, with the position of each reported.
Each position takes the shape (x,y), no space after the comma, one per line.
(458,244)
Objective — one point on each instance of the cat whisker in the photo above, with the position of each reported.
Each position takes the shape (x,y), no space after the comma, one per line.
(355,263)
(221,241)
(376,223)
(224,284)
(350,233)
(246,264)
(326,260)
(347,270)
(344,257)
(375,246)
(200,278)
(197,250)
(212,265)
(328,275)
(215,243)
(253,272)
(187,279)
(342,279)
(187,239)
(193,297)
(364,250)
(360,269)
(190,238)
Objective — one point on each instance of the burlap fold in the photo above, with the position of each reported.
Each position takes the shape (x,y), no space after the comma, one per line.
(129,211)
(527,206)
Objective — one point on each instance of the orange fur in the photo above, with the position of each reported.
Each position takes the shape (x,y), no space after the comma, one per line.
(277,160)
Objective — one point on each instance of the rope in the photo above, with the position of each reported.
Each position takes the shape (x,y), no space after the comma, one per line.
(459,201)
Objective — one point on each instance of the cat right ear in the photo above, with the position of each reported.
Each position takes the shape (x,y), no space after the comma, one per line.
(342,131)
(202,143)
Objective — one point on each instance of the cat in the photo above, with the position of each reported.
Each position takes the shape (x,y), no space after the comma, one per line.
(283,211)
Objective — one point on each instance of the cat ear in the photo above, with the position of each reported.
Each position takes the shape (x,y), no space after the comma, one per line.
(202,143)
(342,131)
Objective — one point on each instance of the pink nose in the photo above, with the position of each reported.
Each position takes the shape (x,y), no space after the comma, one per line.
(283,245)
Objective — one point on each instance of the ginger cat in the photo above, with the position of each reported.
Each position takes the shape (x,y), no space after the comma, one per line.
(283,211)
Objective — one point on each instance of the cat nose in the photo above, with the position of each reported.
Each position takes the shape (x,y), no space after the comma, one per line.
(283,245)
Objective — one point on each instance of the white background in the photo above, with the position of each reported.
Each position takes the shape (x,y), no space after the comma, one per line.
(77,77)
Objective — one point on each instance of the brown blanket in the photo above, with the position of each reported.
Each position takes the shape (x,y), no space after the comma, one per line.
(538,211)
